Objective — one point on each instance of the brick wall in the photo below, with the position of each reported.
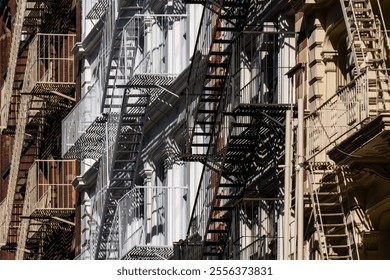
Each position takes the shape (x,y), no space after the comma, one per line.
(7,11)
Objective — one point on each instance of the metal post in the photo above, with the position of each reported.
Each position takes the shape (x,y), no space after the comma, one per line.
(299,197)
(287,188)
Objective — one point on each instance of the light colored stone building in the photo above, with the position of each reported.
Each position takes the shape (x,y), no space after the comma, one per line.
(210,130)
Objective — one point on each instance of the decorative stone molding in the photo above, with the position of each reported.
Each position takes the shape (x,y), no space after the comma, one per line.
(330,59)
(147,173)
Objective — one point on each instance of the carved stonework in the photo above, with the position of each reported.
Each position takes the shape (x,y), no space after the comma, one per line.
(330,59)
(146,173)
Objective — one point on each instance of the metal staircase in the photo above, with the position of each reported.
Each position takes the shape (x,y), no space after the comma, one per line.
(7,88)
(329,216)
(124,113)
(364,34)
(220,24)
(123,163)
(215,44)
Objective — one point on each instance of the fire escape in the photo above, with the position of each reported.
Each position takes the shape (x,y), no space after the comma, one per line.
(328,182)
(115,137)
(330,222)
(39,83)
(48,209)
(228,136)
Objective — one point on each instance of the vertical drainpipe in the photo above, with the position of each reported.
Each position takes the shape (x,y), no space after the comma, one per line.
(299,197)
(287,188)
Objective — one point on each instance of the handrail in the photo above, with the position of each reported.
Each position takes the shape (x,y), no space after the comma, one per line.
(342,112)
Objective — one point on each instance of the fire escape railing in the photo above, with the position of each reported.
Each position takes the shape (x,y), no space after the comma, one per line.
(49,195)
(339,116)
(49,71)
(50,65)
(137,78)
(228,155)
(83,132)
(145,221)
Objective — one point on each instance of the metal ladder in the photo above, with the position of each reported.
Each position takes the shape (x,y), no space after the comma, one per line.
(363,32)
(7,89)
(329,216)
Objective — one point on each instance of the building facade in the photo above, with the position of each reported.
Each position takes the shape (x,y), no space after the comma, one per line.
(38,89)
(196,130)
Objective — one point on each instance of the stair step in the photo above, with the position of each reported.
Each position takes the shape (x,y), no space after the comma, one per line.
(210,99)
(204,111)
(200,144)
(213,88)
(335,235)
(329,203)
(332,214)
(221,53)
(223,41)
(356,9)
(218,64)
(232,185)
(220,220)
(339,246)
(124,170)
(214,243)
(217,77)
(124,160)
(228,29)
(218,231)
(333,225)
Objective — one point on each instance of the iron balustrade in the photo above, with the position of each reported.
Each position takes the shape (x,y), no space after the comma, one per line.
(82,116)
(50,64)
(338,117)
(49,187)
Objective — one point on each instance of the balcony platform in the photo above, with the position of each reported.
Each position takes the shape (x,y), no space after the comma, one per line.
(49,213)
(45,88)
(149,252)
(368,144)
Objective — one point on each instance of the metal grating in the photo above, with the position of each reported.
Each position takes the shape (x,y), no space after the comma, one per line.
(149,253)
(98,10)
